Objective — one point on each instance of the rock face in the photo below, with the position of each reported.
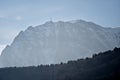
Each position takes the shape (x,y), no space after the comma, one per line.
(55,42)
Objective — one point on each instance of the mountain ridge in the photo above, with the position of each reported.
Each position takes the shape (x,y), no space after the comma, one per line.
(54,42)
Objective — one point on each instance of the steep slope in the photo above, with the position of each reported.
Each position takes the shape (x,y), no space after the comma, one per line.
(54,42)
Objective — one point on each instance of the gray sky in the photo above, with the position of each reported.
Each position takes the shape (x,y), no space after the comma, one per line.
(17,15)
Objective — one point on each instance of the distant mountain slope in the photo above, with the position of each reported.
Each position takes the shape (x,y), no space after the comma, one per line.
(55,42)
(102,66)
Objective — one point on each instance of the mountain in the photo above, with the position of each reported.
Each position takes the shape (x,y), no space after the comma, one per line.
(55,42)
(102,66)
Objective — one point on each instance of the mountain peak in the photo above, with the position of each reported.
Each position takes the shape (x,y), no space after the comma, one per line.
(55,42)
(30,27)
(77,21)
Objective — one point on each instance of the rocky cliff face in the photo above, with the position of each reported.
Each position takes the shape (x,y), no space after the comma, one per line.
(55,42)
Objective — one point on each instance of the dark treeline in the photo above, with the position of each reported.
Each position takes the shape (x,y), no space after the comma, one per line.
(102,66)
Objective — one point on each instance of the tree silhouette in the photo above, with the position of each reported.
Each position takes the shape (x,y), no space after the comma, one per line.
(102,66)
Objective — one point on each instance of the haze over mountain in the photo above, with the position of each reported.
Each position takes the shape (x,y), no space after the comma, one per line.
(55,42)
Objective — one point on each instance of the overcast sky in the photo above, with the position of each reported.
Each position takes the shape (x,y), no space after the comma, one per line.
(17,15)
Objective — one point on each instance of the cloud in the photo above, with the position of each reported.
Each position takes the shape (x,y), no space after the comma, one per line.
(18,18)
(8,17)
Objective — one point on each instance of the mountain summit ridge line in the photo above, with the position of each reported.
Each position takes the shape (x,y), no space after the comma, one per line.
(55,42)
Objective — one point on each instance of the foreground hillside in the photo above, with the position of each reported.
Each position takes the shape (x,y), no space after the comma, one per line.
(102,66)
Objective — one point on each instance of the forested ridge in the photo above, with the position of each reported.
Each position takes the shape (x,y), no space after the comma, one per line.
(102,66)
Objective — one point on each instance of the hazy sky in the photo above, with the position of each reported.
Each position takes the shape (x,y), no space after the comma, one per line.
(17,15)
